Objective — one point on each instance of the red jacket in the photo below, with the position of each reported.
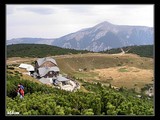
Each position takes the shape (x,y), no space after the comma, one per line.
(21,91)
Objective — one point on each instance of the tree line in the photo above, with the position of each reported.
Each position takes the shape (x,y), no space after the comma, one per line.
(42,50)
(142,50)
(38,50)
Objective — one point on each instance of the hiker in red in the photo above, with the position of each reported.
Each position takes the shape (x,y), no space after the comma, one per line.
(20,91)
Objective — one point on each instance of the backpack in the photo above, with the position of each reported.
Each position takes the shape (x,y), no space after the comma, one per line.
(21,86)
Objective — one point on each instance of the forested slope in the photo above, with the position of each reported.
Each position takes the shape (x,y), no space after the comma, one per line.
(38,50)
(142,50)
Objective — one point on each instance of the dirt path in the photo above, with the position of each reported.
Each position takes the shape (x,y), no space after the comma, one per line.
(19,60)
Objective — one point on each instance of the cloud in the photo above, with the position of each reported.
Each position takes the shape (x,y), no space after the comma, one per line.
(79,9)
(38,9)
(125,14)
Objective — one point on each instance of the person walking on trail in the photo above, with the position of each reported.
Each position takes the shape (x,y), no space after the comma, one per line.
(20,90)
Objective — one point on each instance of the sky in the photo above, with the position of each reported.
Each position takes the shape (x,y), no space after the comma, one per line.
(57,20)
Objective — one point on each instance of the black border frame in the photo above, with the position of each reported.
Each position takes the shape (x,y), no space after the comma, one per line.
(157,95)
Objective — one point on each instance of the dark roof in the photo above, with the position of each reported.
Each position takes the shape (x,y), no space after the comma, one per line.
(44,70)
(40,61)
(60,79)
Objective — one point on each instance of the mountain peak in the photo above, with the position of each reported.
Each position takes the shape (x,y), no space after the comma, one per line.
(104,23)
(100,25)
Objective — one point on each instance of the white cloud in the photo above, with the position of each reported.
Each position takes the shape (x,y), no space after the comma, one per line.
(52,21)
(38,10)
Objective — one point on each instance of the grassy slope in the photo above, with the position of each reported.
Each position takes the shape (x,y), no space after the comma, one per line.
(107,66)
(71,63)
(98,61)
(93,62)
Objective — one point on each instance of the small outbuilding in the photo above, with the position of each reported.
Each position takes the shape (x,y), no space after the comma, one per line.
(28,67)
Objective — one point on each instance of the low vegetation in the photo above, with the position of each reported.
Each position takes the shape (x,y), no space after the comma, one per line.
(41,99)
(123,70)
